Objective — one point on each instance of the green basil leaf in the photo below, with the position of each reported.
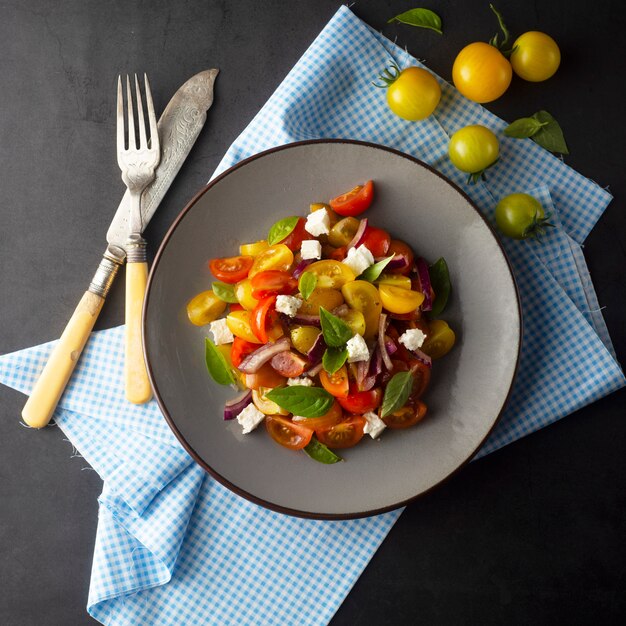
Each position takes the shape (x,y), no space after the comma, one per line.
(334,358)
(281,229)
(424,18)
(550,136)
(374,271)
(225,292)
(524,127)
(440,282)
(397,392)
(336,332)
(320,453)
(216,364)
(303,401)
(307,284)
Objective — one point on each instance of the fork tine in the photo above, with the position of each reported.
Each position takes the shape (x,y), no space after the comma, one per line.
(154,131)
(132,142)
(143,141)
(120,117)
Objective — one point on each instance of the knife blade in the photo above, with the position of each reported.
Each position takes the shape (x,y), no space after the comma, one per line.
(179,126)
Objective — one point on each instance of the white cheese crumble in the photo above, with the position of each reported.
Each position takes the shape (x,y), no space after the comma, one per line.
(311,249)
(221,332)
(357,349)
(359,259)
(250,418)
(412,339)
(373,425)
(304,382)
(288,305)
(318,223)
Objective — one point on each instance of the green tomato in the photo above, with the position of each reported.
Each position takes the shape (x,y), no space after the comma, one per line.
(473,149)
(521,216)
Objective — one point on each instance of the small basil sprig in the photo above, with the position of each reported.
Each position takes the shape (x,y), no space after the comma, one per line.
(303,401)
(216,364)
(320,453)
(283,228)
(542,128)
(440,282)
(336,332)
(374,271)
(397,392)
(225,292)
(333,359)
(306,284)
(424,18)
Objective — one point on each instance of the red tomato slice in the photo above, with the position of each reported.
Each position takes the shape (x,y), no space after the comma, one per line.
(355,201)
(421,376)
(241,349)
(265,376)
(287,433)
(343,435)
(232,269)
(408,415)
(259,318)
(235,307)
(288,364)
(359,402)
(295,238)
(339,254)
(272,282)
(334,416)
(399,247)
(336,384)
(377,241)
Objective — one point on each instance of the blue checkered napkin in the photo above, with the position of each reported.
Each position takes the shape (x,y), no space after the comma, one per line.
(225,560)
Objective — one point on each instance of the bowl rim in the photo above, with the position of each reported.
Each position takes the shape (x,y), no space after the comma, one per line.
(171,422)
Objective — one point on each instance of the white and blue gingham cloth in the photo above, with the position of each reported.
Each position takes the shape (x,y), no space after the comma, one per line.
(173,545)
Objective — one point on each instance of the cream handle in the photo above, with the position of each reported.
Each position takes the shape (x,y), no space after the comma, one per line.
(138,390)
(49,388)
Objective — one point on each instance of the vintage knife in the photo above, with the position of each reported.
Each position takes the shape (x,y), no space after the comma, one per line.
(179,127)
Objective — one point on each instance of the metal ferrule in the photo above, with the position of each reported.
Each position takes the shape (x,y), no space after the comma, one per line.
(136,249)
(104,276)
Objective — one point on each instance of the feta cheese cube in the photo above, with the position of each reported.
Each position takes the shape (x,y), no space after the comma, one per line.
(311,249)
(357,349)
(359,259)
(303,381)
(288,305)
(221,332)
(373,425)
(318,223)
(412,339)
(250,418)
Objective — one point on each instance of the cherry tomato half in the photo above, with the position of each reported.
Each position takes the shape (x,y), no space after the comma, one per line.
(359,402)
(336,384)
(440,340)
(241,349)
(343,435)
(377,241)
(259,318)
(289,364)
(355,201)
(398,300)
(265,376)
(231,269)
(334,416)
(408,415)
(287,433)
(205,308)
(295,238)
(272,282)
(399,247)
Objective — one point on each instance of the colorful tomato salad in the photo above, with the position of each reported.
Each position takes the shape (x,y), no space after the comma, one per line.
(331,329)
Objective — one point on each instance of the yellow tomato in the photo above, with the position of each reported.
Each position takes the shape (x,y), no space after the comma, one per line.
(321,296)
(397,280)
(205,308)
(398,300)
(481,73)
(303,337)
(342,233)
(243,293)
(413,94)
(439,340)
(239,324)
(355,319)
(264,404)
(364,297)
(535,56)
(253,249)
(278,257)
(331,274)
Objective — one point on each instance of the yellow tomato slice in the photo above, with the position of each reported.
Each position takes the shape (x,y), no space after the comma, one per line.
(278,257)
(398,300)
(243,293)
(239,324)
(264,404)
(440,339)
(342,233)
(321,296)
(331,274)
(253,249)
(205,308)
(396,280)
(364,297)
(355,319)
(303,337)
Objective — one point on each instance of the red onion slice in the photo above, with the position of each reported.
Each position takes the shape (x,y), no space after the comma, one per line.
(252,363)
(362,368)
(390,345)
(382,326)
(314,371)
(316,351)
(423,357)
(233,407)
(301,267)
(425,287)
(399,262)
(357,240)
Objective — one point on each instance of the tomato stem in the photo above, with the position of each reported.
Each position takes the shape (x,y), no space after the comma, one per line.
(505,32)
(388,76)
(538,227)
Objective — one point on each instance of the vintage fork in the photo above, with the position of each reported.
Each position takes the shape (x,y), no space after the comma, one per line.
(137,164)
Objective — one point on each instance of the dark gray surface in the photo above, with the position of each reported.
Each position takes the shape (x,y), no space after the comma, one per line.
(532,534)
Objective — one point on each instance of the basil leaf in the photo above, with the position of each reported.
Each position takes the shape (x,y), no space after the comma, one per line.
(281,229)
(424,18)
(524,127)
(303,401)
(440,282)
(334,358)
(397,392)
(320,453)
(550,136)
(307,284)
(336,332)
(225,292)
(216,364)
(374,271)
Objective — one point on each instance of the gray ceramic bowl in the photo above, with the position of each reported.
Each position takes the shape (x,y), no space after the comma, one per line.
(468,389)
